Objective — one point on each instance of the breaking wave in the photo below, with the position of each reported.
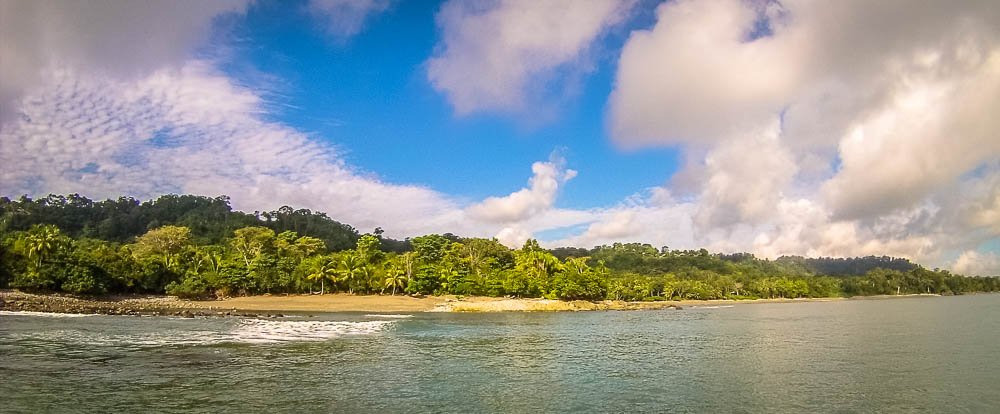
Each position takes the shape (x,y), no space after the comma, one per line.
(46,314)
(174,332)
(264,331)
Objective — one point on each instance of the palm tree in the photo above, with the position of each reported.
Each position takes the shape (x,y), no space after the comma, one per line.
(43,240)
(349,268)
(324,269)
(368,274)
(394,277)
(577,264)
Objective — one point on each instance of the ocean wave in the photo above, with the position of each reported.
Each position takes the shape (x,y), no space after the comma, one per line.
(264,331)
(713,307)
(46,314)
(205,332)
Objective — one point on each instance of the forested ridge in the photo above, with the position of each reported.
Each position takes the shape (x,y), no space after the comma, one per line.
(199,247)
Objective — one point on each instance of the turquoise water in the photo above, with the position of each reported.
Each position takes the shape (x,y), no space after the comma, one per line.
(903,355)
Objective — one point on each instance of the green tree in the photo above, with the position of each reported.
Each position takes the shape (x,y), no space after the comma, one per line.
(42,241)
(322,269)
(250,242)
(163,244)
(395,277)
(349,268)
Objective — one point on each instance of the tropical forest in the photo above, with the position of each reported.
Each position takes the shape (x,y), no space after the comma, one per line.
(198,247)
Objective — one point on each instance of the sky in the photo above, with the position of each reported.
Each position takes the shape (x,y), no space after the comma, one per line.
(792,127)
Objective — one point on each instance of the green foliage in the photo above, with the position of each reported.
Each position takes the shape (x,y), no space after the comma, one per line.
(191,287)
(163,244)
(197,247)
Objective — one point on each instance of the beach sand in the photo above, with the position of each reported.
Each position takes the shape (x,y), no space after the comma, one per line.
(340,302)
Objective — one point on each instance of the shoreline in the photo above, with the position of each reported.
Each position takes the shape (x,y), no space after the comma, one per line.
(274,305)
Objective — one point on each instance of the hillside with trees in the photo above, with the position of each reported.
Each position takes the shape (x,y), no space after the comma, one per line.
(199,247)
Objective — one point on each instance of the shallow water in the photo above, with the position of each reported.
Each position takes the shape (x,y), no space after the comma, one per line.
(902,355)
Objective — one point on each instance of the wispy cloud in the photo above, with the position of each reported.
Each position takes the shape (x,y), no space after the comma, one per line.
(345,18)
(192,130)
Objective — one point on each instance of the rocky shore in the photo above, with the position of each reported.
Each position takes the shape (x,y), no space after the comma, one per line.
(136,305)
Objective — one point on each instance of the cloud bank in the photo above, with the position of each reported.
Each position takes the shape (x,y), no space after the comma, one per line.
(841,128)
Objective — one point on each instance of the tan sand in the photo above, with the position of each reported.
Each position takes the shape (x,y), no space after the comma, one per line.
(339,302)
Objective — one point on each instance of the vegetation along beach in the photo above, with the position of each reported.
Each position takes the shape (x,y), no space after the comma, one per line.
(197,248)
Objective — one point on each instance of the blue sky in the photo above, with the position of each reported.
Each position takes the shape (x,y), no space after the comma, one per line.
(369,96)
(733,125)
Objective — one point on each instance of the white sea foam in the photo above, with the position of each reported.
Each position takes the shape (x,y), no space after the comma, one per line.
(713,307)
(264,331)
(46,314)
(388,315)
(207,332)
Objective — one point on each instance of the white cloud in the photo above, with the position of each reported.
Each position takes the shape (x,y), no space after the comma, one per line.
(539,196)
(124,40)
(692,78)
(346,18)
(973,263)
(927,136)
(813,140)
(191,130)
(699,75)
(498,55)
(513,237)
(744,178)
(809,138)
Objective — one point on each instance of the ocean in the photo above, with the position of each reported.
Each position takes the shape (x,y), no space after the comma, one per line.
(923,354)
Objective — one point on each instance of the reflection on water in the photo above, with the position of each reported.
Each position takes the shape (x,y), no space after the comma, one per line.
(923,354)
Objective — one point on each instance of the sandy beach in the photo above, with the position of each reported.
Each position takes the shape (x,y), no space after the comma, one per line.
(13,300)
(338,302)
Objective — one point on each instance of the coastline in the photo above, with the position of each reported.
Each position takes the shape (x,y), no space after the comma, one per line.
(274,305)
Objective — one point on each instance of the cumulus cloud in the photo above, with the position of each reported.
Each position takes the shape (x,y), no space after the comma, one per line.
(693,77)
(346,18)
(931,132)
(513,237)
(706,70)
(539,196)
(124,40)
(744,178)
(803,137)
(497,55)
(973,263)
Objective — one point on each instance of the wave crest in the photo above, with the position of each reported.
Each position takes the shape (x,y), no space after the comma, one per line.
(265,331)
